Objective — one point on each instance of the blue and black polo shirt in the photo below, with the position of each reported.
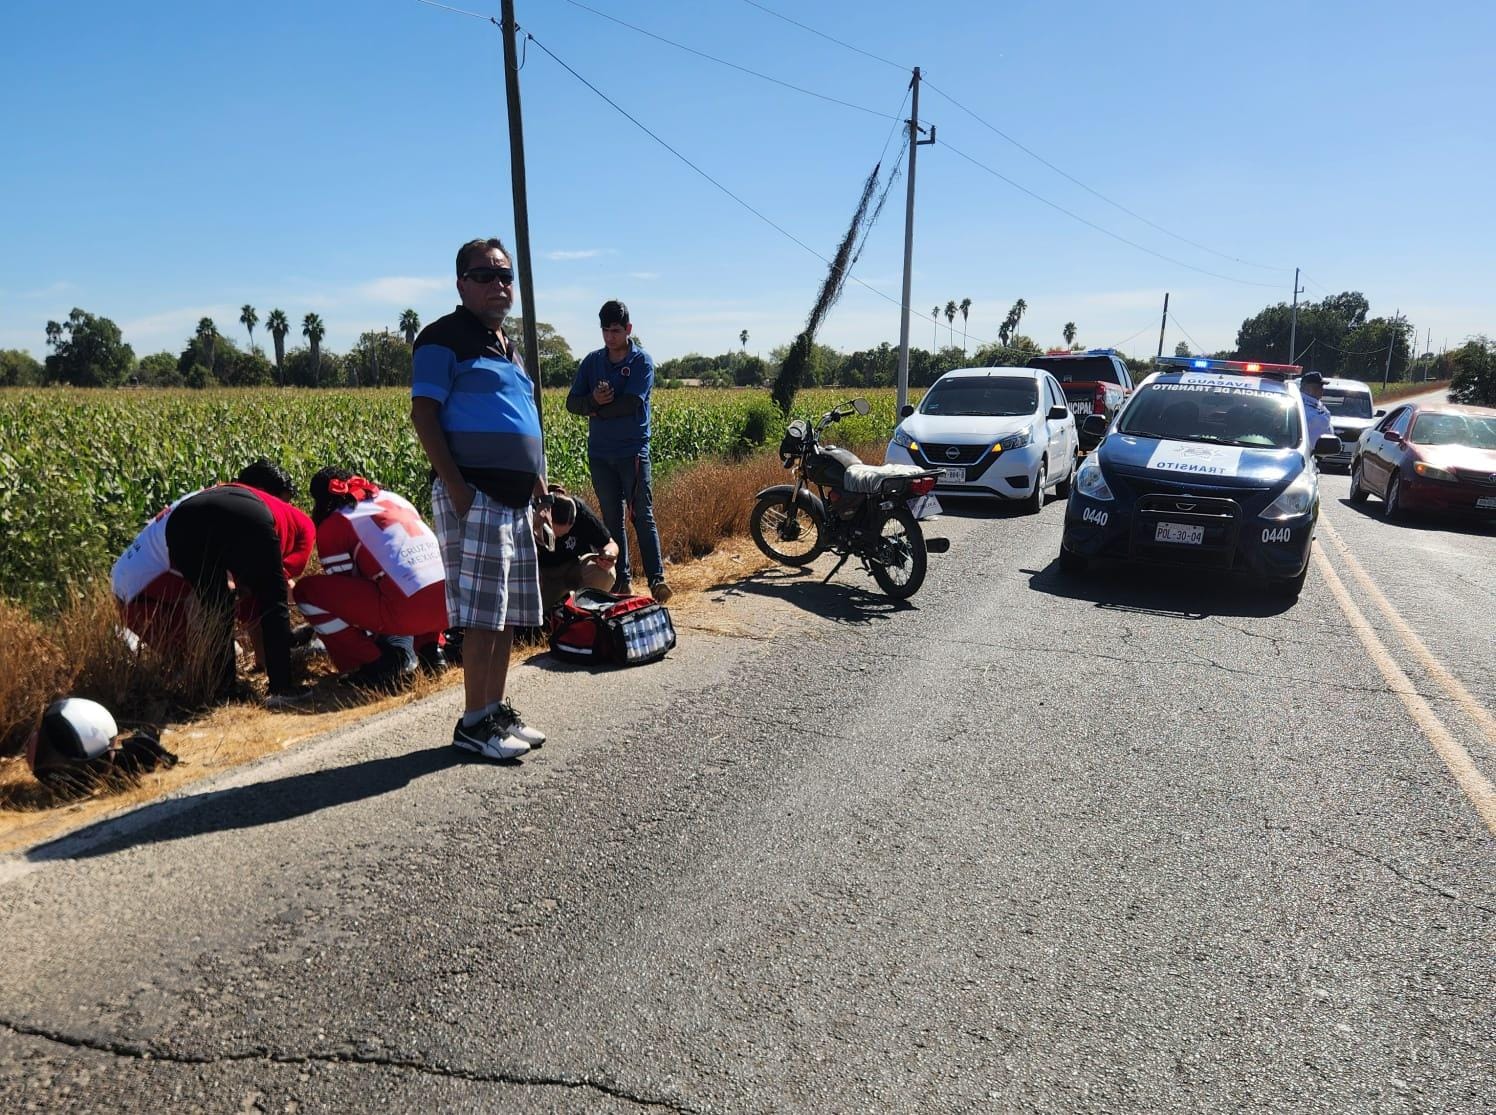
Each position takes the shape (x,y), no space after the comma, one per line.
(488,404)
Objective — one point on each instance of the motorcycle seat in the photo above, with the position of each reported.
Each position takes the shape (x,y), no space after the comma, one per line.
(868,479)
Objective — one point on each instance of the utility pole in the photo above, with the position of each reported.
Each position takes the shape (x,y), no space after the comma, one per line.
(1293,330)
(1164,325)
(914,145)
(521,205)
(1391,344)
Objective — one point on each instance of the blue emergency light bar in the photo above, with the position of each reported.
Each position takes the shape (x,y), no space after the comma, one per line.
(1230,367)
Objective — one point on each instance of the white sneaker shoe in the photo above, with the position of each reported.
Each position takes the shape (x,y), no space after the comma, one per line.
(508,721)
(488,739)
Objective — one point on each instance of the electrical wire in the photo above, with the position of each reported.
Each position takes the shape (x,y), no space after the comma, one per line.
(829,38)
(1022,147)
(1094,192)
(1139,333)
(1199,348)
(658,139)
(1099,228)
(725,62)
(459,11)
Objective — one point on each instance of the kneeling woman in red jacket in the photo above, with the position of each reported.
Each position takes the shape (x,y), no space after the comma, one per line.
(381,576)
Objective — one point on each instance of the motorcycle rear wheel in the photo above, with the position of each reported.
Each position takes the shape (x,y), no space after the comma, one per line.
(898,558)
(786,532)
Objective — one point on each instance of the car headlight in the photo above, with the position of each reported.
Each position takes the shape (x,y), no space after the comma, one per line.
(1090,482)
(1429,472)
(903,440)
(1014,441)
(1295,500)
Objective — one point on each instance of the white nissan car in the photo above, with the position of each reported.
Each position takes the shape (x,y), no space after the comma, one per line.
(994,432)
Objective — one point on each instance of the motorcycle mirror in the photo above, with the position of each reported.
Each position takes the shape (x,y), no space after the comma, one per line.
(861,406)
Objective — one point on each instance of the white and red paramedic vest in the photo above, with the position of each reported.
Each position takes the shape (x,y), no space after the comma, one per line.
(383,536)
(145,559)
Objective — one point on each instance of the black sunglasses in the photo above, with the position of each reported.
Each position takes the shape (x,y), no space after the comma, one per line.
(489,274)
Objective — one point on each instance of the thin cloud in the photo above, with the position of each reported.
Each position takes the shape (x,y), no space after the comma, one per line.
(565,256)
(644,275)
(401,289)
(62,286)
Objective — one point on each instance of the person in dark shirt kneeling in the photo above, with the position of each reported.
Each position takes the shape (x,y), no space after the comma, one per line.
(584,554)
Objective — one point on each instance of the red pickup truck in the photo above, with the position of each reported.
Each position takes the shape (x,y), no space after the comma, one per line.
(1095,382)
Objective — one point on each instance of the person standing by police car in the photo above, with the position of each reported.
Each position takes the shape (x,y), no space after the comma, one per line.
(1317,416)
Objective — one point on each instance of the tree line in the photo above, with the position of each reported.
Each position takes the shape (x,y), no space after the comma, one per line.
(1336,336)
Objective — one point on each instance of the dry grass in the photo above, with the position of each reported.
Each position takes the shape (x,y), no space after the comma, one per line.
(702,510)
(1397,391)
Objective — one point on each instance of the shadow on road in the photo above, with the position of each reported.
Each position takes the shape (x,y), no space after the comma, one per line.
(1174,593)
(1374,509)
(965,507)
(264,803)
(843,603)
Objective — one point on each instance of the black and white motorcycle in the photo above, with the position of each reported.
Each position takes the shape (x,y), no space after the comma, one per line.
(840,505)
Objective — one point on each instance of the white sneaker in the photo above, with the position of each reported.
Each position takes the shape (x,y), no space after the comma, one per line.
(488,739)
(507,721)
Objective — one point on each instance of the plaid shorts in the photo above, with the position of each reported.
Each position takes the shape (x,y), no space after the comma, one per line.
(493,580)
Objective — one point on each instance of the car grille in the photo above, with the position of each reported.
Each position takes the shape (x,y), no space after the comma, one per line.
(1220,519)
(1192,488)
(938,455)
(1481,477)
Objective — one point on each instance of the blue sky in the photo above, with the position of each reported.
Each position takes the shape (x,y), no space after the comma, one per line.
(175,160)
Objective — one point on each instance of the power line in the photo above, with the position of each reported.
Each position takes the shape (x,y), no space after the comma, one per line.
(1022,147)
(1139,333)
(654,136)
(1092,224)
(459,11)
(829,38)
(725,62)
(1094,192)
(1199,348)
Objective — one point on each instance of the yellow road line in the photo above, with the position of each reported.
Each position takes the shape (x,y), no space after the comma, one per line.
(1476,786)
(1447,681)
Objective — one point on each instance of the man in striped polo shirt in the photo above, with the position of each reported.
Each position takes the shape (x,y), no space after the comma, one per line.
(473,407)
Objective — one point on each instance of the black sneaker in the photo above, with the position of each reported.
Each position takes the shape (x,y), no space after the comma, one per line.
(388,674)
(486,738)
(507,719)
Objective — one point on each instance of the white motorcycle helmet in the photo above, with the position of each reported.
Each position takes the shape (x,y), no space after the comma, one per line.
(73,730)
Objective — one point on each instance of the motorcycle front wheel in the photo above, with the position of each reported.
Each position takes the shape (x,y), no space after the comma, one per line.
(786,532)
(897,555)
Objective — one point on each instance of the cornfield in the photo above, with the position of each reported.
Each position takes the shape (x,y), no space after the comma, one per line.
(81,471)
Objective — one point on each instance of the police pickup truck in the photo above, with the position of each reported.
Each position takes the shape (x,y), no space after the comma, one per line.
(1208,464)
(1095,382)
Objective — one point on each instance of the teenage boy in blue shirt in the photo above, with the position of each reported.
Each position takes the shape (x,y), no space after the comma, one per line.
(612,391)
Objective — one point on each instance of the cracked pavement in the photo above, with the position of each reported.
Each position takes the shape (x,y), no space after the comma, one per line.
(1137,841)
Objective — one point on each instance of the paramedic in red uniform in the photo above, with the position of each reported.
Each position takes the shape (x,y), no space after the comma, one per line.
(193,548)
(381,576)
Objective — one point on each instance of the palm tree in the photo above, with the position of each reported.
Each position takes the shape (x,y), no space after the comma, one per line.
(207,338)
(249,319)
(965,309)
(279,326)
(313,330)
(950,319)
(410,325)
(935,338)
(1069,332)
(1019,309)
(743,340)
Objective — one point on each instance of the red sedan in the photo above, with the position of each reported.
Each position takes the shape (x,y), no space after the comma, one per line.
(1434,457)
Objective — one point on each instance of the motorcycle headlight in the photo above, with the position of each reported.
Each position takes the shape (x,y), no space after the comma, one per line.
(1014,441)
(1295,500)
(903,440)
(1430,472)
(1090,482)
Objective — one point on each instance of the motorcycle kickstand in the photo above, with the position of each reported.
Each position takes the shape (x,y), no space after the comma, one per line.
(835,568)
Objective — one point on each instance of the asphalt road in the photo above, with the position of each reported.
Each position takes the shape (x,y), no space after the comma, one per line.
(1135,841)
